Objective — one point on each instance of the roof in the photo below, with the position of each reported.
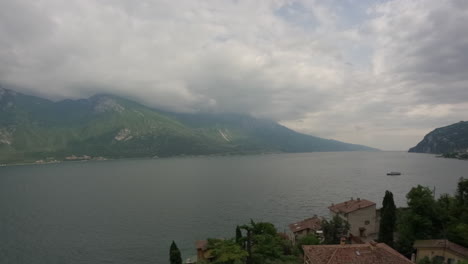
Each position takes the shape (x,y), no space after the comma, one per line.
(354,254)
(350,206)
(313,223)
(441,243)
(201,244)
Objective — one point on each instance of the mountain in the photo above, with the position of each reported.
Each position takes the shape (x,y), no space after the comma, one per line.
(33,129)
(448,139)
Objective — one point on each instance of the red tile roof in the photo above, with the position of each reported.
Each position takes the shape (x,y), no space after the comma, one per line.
(441,243)
(353,254)
(313,223)
(201,244)
(350,206)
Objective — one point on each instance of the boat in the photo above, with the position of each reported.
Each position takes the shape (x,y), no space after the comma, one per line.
(393,173)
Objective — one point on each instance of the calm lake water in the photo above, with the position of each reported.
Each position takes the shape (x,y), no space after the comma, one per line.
(129,211)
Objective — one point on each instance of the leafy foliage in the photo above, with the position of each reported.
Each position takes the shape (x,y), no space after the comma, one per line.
(309,239)
(418,222)
(334,229)
(226,251)
(428,218)
(261,244)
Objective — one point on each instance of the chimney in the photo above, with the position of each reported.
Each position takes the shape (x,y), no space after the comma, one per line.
(359,199)
(352,198)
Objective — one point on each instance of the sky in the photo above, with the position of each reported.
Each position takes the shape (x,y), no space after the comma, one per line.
(378,73)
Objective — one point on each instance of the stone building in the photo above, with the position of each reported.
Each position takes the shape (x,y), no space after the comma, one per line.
(361,215)
(442,249)
(307,226)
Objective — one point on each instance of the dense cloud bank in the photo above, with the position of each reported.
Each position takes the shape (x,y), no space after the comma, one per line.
(381,73)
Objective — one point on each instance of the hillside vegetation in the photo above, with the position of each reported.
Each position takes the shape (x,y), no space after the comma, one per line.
(32,129)
(445,140)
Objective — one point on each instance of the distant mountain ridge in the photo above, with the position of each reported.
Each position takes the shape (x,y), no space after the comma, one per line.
(34,129)
(448,139)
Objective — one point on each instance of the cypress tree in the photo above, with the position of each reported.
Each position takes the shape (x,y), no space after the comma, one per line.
(174,254)
(238,236)
(387,219)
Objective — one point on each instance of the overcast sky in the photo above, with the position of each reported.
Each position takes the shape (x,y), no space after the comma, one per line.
(379,73)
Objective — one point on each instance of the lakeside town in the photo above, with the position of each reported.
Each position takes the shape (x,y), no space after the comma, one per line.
(356,231)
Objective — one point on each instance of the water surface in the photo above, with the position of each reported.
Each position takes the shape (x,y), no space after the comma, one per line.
(129,211)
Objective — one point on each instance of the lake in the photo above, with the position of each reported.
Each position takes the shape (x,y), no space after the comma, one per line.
(129,211)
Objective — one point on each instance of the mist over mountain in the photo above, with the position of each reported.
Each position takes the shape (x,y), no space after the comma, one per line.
(107,126)
(380,73)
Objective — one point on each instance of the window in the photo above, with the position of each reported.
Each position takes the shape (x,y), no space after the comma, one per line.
(366,222)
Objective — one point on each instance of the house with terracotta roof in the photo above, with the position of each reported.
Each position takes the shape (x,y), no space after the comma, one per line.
(368,253)
(441,249)
(305,227)
(203,253)
(361,215)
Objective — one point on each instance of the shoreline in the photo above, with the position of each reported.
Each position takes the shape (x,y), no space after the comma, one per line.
(136,158)
(164,157)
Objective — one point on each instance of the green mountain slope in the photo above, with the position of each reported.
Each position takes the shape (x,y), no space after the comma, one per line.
(452,138)
(33,128)
(251,133)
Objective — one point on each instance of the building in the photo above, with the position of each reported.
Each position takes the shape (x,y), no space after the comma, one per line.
(203,253)
(368,253)
(442,249)
(307,226)
(361,215)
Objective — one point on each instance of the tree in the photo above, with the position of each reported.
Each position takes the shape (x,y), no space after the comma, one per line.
(457,226)
(265,245)
(418,221)
(226,251)
(334,229)
(239,236)
(309,239)
(387,219)
(174,254)
(266,242)
(248,246)
(421,201)
(423,217)
(462,192)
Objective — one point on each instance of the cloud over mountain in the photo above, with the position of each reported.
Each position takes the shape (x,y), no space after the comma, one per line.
(377,73)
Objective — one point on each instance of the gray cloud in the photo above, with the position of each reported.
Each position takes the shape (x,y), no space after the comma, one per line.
(382,74)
